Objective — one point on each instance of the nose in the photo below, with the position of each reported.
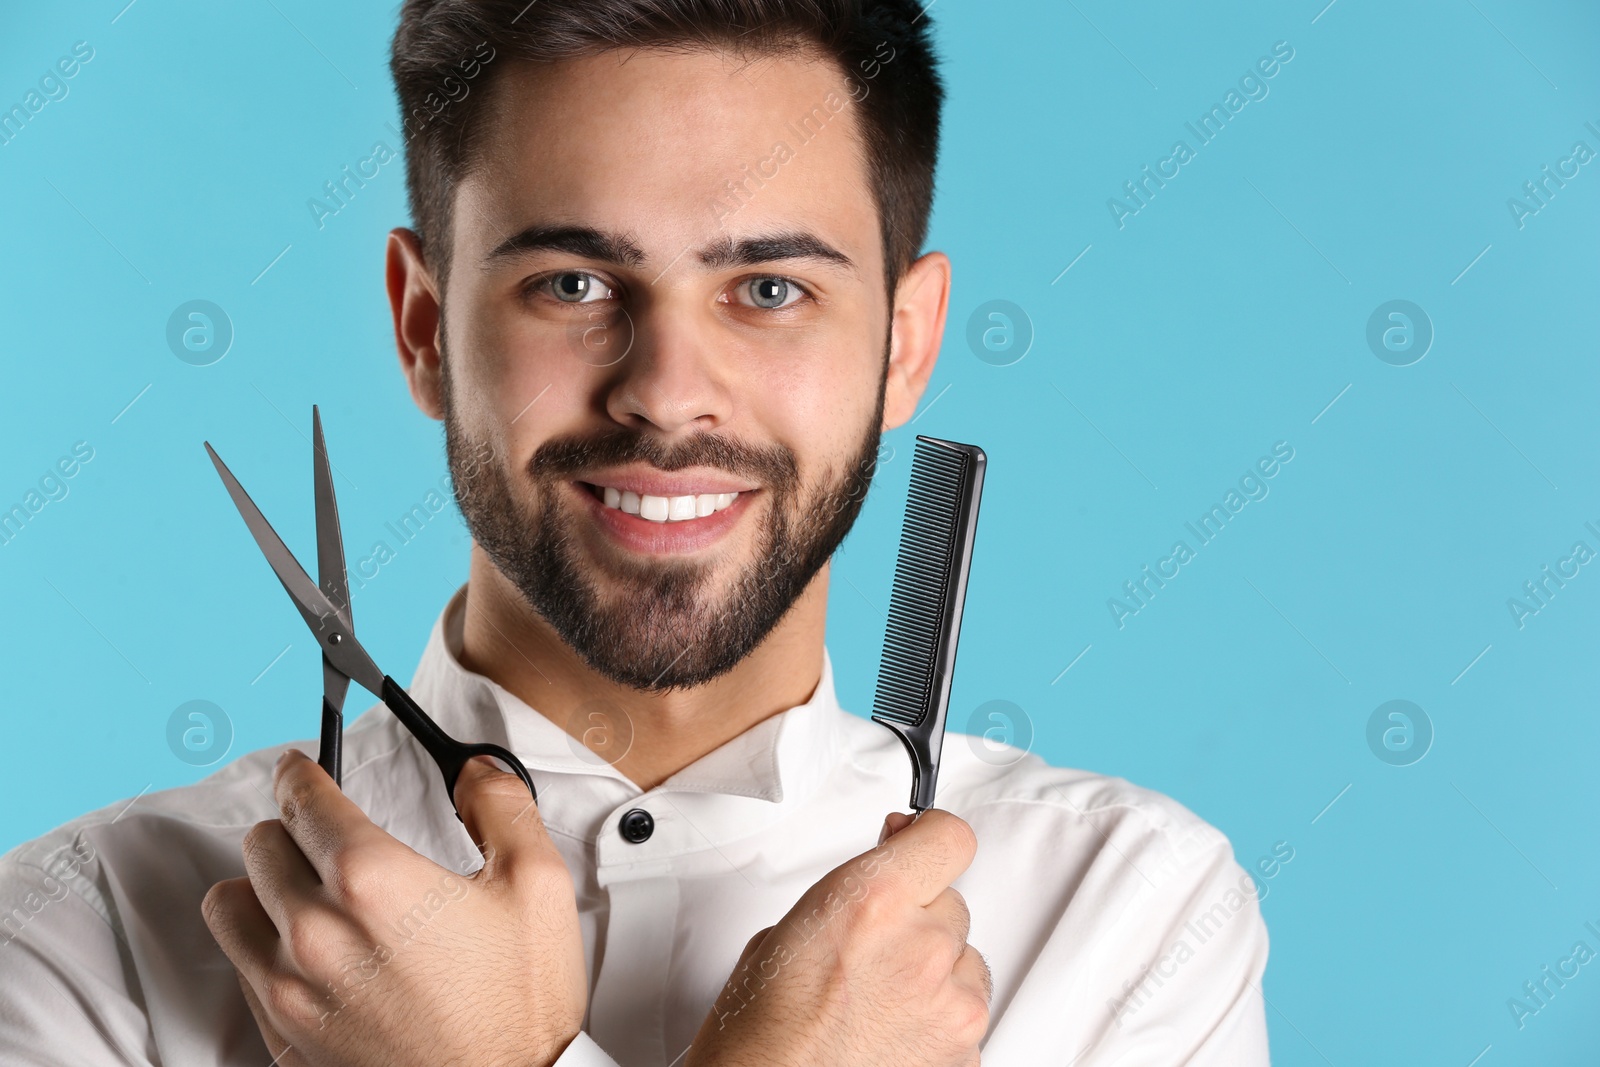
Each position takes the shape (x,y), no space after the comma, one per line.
(671,380)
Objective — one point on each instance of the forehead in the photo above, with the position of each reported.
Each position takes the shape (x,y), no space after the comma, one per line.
(679,147)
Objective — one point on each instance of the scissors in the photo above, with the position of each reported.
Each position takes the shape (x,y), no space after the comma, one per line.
(326,611)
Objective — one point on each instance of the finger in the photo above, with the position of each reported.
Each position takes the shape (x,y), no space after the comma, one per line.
(276,1045)
(321,819)
(972,973)
(283,879)
(754,943)
(242,928)
(503,820)
(949,908)
(925,856)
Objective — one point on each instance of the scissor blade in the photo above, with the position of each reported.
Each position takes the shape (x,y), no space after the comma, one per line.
(335,684)
(314,607)
(330,544)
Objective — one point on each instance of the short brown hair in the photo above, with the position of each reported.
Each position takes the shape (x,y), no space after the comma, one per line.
(882,47)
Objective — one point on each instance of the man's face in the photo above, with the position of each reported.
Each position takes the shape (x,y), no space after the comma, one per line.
(664,362)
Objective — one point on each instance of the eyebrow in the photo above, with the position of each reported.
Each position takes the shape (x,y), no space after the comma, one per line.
(748,251)
(624,249)
(583,241)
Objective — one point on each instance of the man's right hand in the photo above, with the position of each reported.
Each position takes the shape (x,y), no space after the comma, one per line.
(871,967)
(354,950)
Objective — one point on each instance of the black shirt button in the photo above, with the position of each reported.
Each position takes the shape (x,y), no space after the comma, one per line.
(637,825)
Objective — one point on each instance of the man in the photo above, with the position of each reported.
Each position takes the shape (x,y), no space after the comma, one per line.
(665,291)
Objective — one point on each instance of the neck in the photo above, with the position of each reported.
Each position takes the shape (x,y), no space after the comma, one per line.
(648,737)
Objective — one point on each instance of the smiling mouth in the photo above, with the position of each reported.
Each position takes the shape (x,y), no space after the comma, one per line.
(662,509)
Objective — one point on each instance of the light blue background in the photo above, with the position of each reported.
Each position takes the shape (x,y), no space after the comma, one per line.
(1224,317)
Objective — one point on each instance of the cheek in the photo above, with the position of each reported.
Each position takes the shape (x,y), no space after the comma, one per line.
(516,385)
(818,407)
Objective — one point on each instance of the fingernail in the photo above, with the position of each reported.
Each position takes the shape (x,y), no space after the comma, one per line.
(883,835)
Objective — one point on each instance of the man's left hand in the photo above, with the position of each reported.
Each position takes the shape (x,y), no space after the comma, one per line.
(353,949)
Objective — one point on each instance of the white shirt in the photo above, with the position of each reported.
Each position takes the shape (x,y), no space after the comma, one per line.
(1117,925)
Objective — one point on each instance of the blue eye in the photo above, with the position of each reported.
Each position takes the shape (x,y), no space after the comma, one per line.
(772,293)
(576,287)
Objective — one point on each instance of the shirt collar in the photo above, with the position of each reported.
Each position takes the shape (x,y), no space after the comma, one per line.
(781,759)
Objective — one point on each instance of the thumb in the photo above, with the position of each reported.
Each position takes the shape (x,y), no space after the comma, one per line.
(502,819)
(893,823)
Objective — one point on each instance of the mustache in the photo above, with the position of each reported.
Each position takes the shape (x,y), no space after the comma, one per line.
(771,466)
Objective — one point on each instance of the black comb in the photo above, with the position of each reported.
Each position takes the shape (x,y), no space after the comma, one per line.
(930,585)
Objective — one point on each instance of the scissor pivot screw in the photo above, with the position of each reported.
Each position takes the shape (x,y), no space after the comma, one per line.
(333,639)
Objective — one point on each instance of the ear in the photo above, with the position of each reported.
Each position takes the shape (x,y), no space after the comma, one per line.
(414,301)
(920,302)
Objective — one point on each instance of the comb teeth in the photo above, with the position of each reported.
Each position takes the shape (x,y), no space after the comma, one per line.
(923,576)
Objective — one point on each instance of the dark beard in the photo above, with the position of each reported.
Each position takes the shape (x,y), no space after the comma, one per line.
(665,629)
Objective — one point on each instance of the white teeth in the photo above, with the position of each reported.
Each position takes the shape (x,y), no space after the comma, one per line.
(666,508)
(653,508)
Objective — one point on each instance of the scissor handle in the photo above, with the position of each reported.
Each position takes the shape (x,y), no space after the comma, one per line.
(328,756)
(451,755)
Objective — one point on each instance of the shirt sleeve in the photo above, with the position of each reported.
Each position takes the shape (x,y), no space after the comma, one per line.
(1188,981)
(65,992)
(584,1052)
(1151,953)
(68,990)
